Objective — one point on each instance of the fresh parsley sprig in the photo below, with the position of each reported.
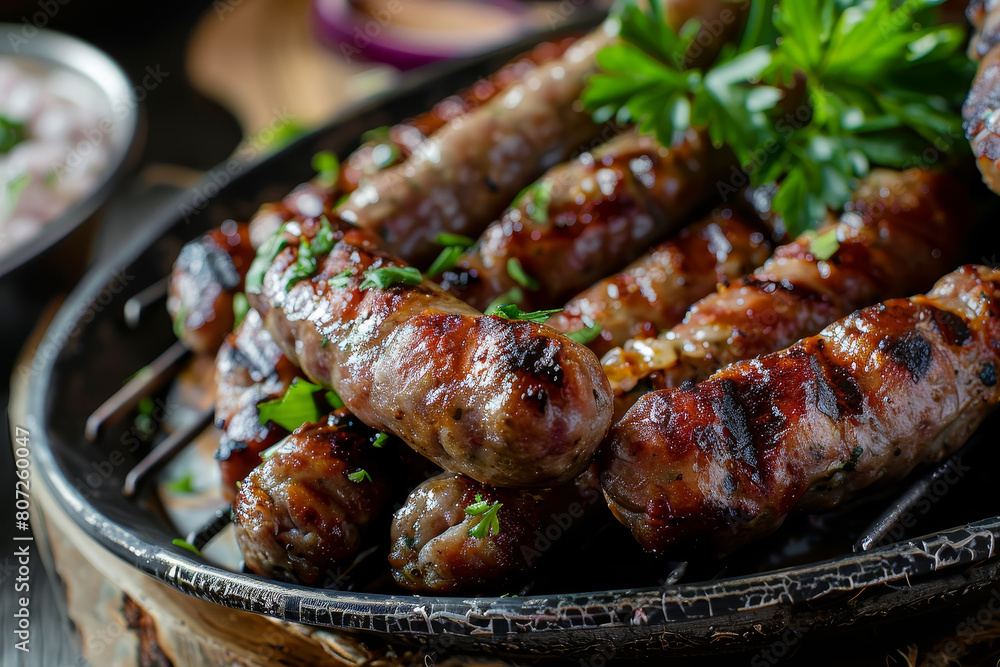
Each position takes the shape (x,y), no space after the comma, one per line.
(391,275)
(878,82)
(510,311)
(489,523)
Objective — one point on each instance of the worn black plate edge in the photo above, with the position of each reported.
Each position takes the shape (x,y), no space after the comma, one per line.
(487,619)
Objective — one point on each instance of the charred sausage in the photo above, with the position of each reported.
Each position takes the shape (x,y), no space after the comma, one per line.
(506,402)
(722,462)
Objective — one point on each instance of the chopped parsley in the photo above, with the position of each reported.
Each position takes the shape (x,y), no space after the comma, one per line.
(536,199)
(446,260)
(379,440)
(516,271)
(824,246)
(181,484)
(391,275)
(359,476)
(327,167)
(240,308)
(510,311)
(266,255)
(385,151)
(342,279)
(12,132)
(333,399)
(586,335)
(310,250)
(184,544)
(489,522)
(295,407)
(447,239)
(852,463)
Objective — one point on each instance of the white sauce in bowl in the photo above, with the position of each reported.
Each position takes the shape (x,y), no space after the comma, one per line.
(65,149)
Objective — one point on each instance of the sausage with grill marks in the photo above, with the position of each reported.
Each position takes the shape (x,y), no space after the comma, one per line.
(587,218)
(506,402)
(902,230)
(655,291)
(896,385)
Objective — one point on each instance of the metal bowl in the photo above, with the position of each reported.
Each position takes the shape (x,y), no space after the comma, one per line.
(603,593)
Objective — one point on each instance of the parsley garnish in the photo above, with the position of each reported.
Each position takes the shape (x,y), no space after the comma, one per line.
(273,449)
(516,271)
(181,484)
(379,440)
(309,252)
(385,152)
(295,407)
(853,462)
(489,523)
(512,295)
(447,239)
(510,311)
(333,399)
(240,308)
(184,544)
(880,84)
(12,132)
(391,275)
(359,476)
(266,254)
(824,246)
(342,279)
(446,260)
(585,335)
(328,167)
(536,198)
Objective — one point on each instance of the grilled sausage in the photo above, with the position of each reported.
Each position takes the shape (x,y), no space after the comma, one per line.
(587,218)
(902,230)
(655,291)
(890,387)
(464,175)
(506,402)
(432,550)
(298,516)
(399,142)
(249,369)
(979,116)
(207,274)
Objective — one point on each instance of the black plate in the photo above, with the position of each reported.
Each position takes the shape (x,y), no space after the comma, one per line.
(806,570)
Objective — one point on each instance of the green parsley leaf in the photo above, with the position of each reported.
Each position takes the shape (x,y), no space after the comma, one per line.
(446,260)
(385,151)
(12,132)
(240,308)
(489,523)
(184,544)
(824,246)
(478,507)
(879,80)
(359,476)
(295,408)
(516,271)
(513,295)
(586,335)
(852,463)
(328,167)
(446,239)
(181,484)
(535,199)
(266,254)
(391,275)
(379,440)
(510,311)
(273,449)
(342,279)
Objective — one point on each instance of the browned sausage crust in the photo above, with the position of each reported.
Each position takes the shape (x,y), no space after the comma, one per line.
(463,176)
(587,218)
(207,274)
(403,139)
(654,292)
(249,369)
(872,396)
(507,402)
(902,231)
(432,550)
(299,516)
(979,114)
